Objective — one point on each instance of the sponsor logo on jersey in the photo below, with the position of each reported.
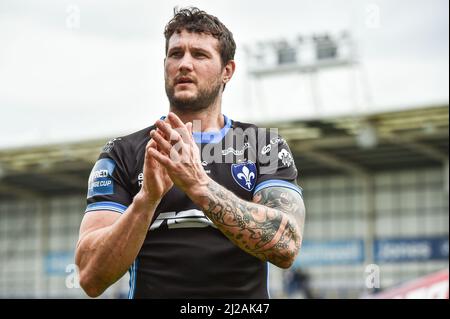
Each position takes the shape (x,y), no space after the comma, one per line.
(236,152)
(100,180)
(192,218)
(276,140)
(285,157)
(140,179)
(266,149)
(100,173)
(109,146)
(244,174)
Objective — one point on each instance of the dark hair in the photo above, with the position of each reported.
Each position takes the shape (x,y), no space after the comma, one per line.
(195,20)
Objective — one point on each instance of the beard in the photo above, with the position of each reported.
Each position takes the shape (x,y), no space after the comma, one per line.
(204,98)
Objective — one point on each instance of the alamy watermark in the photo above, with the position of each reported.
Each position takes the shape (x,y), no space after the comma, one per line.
(73,277)
(73,17)
(373,16)
(372,280)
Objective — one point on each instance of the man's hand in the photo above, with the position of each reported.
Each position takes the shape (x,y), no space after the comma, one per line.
(156,181)
(179,154)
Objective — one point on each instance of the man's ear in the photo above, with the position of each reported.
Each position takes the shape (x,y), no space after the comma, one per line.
(228,71)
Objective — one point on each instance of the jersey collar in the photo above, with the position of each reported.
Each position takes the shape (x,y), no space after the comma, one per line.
(213,136)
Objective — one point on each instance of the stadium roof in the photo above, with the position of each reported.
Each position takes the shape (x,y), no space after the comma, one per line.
(354,145)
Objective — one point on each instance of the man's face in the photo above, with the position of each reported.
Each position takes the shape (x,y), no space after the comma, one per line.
(193,70)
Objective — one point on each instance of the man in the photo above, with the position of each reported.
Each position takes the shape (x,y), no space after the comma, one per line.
(196,205)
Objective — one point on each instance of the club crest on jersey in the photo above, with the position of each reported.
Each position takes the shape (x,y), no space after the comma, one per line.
(244,174)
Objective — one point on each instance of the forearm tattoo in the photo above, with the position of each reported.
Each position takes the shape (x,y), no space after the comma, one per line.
(269,229)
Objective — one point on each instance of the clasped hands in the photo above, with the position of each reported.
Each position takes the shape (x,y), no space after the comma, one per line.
(172,158)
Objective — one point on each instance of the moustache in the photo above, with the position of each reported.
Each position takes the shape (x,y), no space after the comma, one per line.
(184,79)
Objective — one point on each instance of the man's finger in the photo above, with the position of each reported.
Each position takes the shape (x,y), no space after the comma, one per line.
(148,159)
(189,127)
(175,120)
(169,134)
(166,148)
(163,144)
(150,143)
(180,127)
(160,158)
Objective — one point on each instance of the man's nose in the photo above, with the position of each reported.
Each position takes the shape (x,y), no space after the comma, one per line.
(186,64)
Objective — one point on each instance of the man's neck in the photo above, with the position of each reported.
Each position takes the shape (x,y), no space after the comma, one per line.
(210,119)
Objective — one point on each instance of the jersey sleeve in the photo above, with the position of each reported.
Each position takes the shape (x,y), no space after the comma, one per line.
(108,186)
(276,166)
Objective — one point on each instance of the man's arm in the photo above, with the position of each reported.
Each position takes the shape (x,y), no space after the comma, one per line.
(270,228)
(109,243)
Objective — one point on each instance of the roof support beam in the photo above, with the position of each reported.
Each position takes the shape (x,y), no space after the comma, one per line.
(20,192)
(422,148)
(349,141)
(336,162)
(68,180)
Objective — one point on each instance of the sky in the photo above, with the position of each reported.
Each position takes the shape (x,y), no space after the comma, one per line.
(76,70)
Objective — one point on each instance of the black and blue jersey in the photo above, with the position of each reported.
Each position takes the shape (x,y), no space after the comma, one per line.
(184,255)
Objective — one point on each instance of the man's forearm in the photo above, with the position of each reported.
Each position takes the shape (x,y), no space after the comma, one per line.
(104,255)
(266,233)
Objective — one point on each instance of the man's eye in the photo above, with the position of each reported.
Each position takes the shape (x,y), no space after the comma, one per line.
(200,55)
(175,54)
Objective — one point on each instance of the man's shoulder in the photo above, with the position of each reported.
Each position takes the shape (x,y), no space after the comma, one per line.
(260,130)
(243,125)
(138,136)
(128,143)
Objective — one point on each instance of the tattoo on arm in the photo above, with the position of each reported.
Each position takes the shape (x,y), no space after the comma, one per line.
(270,228)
